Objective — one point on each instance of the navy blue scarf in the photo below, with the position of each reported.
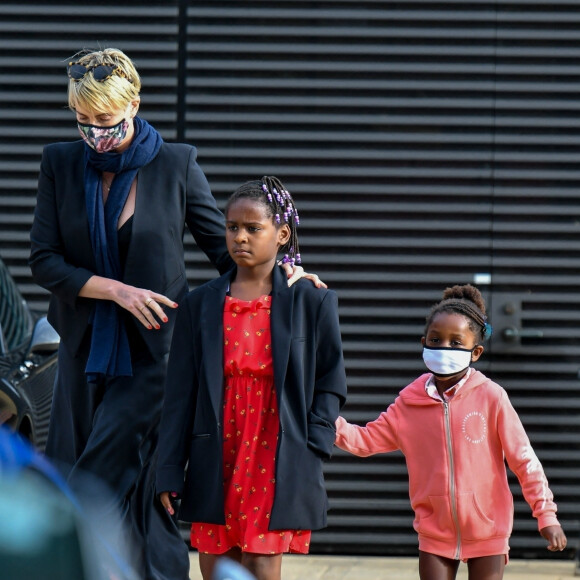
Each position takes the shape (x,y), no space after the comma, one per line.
(110,354)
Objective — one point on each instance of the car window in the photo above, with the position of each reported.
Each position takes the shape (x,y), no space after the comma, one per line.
(15,319)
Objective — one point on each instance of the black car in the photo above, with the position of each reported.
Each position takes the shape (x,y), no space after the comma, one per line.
(28,357)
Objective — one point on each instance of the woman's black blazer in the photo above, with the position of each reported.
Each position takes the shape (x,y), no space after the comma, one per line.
(172,191)
(310,384)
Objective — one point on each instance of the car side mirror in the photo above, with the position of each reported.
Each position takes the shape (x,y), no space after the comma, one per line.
(45,339)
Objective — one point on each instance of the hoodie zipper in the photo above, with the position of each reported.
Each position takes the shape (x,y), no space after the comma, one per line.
(452,478)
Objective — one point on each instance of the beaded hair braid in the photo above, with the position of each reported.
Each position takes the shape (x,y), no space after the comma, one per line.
(477,318)
(280,207)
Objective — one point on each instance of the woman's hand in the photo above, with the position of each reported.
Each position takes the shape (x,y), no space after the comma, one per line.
(143,304)
(556,538)
(165,499)
(296,272)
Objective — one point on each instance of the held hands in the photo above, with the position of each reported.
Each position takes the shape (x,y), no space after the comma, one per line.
(296,272)
(165,499)
(555,537)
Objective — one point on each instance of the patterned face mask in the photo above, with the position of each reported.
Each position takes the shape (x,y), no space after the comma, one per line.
(104,139)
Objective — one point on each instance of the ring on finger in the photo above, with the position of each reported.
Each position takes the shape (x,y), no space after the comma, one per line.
(147,301)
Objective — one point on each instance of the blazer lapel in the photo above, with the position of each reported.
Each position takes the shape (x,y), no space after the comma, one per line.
(212,333)
(281,327)
(75,214)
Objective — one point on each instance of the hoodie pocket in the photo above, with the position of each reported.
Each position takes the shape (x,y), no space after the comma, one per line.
(436,522)
(475,525)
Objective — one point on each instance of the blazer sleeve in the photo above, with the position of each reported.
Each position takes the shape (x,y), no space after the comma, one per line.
(181,387)
(47,262)
(523,461)
(330,381)
(204,220)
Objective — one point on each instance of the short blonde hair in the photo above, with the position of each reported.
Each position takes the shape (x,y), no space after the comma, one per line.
(122,87)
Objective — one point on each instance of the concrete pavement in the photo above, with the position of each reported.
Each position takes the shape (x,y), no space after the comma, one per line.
(313,567)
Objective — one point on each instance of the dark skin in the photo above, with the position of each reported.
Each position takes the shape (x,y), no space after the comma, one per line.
(260,565)
(451,330)
(433,567)
(253,241)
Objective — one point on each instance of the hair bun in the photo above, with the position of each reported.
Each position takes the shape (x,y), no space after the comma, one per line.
(466,292)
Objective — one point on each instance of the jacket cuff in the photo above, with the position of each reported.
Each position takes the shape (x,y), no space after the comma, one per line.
(321,440)
(170,478)
(69,290)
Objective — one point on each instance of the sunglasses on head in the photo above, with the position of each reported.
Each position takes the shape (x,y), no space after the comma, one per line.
(101,72)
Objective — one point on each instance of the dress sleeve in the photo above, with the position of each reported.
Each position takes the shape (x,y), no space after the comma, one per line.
(204,220)
(523,461)
(378,436)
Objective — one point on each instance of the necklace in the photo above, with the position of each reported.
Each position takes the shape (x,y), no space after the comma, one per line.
(107,185)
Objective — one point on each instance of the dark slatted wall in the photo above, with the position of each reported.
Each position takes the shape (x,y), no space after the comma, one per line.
(426,143)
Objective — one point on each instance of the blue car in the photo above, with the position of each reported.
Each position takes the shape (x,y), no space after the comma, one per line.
(28,360)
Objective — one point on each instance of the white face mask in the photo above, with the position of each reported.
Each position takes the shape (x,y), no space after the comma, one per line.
(443,362)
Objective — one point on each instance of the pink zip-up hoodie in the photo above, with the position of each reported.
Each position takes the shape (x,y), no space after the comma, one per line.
(455,457)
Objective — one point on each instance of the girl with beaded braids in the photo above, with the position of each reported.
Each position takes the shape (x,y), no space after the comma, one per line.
(255,383)
(456,427)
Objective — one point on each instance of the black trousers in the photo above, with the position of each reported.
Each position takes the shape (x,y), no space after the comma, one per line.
(108,432)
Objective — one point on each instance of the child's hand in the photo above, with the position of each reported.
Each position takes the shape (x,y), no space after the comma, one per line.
(164,497)
(555,536)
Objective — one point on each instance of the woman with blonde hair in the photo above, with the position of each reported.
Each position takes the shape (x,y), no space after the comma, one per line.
(107,243)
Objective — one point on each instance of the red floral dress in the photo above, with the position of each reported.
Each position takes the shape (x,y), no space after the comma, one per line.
(251,425)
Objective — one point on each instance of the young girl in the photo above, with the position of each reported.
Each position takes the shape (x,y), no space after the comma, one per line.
(256,381)
(455,427)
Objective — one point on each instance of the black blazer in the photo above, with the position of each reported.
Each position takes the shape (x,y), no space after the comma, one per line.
(172,191)
(310,384)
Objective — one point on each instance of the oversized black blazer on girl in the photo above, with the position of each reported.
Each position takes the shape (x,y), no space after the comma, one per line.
(172,191)
(310,385)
